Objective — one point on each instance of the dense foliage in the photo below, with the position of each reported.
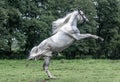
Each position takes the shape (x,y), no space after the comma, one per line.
(25,23)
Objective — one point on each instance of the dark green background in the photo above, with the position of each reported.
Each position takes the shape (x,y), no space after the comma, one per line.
(25,23)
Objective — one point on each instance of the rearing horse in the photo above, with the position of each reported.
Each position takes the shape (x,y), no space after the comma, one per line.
(65,33)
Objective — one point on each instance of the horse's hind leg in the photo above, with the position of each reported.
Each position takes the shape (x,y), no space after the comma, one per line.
(46,65)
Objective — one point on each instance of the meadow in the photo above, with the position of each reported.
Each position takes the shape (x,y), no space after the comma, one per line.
(79,70)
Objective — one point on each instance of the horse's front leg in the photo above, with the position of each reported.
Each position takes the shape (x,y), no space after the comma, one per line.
(83,36)
(46,65)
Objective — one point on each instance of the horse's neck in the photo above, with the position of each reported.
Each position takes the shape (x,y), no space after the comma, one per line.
(73,20)
(71,26)
(56,25)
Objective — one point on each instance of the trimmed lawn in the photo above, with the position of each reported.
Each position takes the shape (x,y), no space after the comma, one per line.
(79,70)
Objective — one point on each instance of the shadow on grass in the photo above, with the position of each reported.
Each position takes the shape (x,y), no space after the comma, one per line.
(43,80)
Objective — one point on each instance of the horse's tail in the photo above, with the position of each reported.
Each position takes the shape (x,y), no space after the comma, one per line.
(37,51)
(33,52)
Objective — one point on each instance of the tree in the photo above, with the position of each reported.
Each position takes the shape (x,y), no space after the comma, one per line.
(108,12)
(25,23)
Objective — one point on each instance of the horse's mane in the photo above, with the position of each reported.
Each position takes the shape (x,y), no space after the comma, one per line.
(56,25)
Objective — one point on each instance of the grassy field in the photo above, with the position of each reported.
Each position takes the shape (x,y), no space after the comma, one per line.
(87,70)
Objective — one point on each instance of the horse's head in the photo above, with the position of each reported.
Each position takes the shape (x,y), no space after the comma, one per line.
(81,16)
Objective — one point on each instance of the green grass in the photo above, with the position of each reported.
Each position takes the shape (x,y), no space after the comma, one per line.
(65,70)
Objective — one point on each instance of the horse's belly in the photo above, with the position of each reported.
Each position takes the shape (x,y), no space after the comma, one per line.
(60,41)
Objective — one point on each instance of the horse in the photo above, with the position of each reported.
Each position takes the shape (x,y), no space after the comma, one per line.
(65,32)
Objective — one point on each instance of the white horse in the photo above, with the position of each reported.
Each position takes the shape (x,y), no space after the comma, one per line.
(65,33)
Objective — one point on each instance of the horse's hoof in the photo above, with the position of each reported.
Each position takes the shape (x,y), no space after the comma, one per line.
(52,77)
(101,39)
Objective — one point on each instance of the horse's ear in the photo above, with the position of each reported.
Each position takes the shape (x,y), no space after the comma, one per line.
(79,11)
(80,8)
